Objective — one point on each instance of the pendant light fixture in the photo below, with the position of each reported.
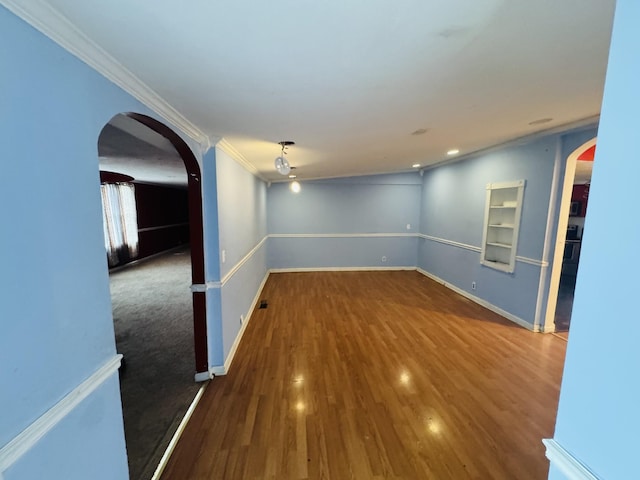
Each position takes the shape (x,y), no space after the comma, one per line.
(281,163)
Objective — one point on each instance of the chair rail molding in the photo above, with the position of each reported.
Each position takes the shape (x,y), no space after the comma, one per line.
(31,435)
(564,461)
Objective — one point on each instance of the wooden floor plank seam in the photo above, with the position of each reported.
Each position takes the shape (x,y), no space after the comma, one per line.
(375,375)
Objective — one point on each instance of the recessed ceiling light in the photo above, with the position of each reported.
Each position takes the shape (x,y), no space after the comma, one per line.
(453,151)
(416,165)
(540,121)
(420,131)
(292,176)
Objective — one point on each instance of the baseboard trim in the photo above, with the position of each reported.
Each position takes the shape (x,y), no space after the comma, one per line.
(31,435)
(480,301)
(139,261)
(247,318)
(176,436)
(564,461)
(344,235)
(339,269)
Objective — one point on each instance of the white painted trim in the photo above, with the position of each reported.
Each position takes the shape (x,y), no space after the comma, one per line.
(341,235)
(480,301)
(176,436)
(544,281)
(579,125)
(532,261)
(247,317)
(230,150)
(203,287)
(558,243)
(203,376)
(31,435)
(473,248)
(217,370)
(49,21)
(244,260)
(569,465)
(465,246)
(340,269)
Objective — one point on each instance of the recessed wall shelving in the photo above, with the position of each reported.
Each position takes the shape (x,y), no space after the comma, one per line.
(501,225)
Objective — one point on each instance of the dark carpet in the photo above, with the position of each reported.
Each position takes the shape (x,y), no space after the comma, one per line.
(153,321)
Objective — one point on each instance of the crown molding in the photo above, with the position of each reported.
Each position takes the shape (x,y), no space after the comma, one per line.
(50,22)
(230,150)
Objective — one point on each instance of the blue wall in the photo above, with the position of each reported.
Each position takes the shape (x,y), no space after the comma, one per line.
(344,223)
(452,214)
(598,417)
(56,328)
(242,214)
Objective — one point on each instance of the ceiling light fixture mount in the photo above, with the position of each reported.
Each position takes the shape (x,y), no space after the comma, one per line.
(281,163)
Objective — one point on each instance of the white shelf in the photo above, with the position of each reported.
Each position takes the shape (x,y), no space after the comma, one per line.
(497,265)
(499,245)
(501,225)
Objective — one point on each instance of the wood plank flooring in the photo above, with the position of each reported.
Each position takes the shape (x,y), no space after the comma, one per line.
(375,375)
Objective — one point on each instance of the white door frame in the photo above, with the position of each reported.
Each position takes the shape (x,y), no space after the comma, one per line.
(561,233)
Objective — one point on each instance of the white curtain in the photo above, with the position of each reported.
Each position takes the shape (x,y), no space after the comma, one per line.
(120,222)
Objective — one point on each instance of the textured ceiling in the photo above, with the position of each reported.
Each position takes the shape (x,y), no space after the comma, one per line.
(350,81)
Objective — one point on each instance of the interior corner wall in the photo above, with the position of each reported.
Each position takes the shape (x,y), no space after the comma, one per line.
(345,223)
(452,215)
(242,214)
(55,301)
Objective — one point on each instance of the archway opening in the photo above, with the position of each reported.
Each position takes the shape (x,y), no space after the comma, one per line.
(160,324)
(573,207)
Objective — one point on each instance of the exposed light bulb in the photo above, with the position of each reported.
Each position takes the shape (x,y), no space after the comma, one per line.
(295,187)
(453,151)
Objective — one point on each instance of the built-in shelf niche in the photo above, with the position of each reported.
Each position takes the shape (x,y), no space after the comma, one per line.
(501,225)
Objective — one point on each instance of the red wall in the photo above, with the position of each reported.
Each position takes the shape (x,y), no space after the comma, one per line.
(162,207)
(581,194)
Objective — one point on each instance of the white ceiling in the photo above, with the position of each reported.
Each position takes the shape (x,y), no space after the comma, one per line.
(350,81)
(126,146)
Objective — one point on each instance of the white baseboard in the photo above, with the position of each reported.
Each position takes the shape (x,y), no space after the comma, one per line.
(176,436)
(569,465)
(339,269)
(218,370)
(480,301)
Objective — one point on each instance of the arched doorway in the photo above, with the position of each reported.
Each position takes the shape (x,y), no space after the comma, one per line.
(151,185)
(587,149)
(196,234)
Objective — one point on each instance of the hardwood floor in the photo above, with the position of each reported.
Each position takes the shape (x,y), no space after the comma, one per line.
(372,375)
